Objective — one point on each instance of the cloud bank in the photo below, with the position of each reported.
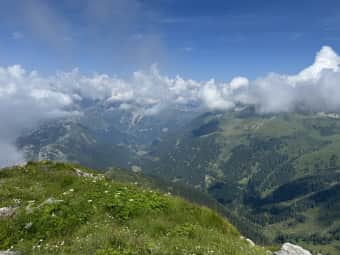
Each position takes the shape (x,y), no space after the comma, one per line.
(314,88)
(28,97)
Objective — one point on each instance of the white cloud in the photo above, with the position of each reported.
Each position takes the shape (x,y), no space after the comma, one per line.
(314,88)
(28,97)
(213,98)
(239,82)
(326,59)
(9,155)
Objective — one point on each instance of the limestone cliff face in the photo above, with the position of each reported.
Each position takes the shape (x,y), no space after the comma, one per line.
(291,249)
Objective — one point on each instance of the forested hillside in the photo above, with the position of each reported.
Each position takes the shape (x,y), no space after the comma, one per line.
(280,171)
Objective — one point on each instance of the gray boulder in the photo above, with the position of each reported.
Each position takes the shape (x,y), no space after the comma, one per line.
(291,249)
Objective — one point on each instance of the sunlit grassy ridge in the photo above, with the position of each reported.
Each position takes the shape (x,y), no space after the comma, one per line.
(59,209)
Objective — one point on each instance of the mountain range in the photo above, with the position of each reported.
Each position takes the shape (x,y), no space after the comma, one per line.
(278,172)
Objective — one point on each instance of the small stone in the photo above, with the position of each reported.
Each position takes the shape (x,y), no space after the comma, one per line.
(7,212)
(9,253)
(250,242)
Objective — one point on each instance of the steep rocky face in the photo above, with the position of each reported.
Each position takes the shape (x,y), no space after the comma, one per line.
(291,249)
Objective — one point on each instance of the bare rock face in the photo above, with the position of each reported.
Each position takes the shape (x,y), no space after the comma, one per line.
(291,249)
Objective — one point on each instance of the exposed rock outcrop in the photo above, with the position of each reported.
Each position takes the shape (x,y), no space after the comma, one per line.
(291,249)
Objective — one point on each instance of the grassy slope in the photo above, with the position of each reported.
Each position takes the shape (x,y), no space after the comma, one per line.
(190,194)
(59,212)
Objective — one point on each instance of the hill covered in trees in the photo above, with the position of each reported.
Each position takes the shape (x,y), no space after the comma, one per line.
(280,171)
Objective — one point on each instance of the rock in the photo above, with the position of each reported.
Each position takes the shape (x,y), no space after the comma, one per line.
(136,169)
(250,242)
(51,201)
(291,249)
(9,253)
(7,212)
(88,175)
(82,173)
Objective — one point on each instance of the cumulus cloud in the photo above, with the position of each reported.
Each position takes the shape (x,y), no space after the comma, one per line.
(315,88)
(213,97)
(28,97)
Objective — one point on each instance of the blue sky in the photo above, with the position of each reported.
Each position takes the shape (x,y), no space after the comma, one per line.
(194,38)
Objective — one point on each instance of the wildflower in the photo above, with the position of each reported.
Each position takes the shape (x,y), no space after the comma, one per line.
(17,200)
(28,225)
